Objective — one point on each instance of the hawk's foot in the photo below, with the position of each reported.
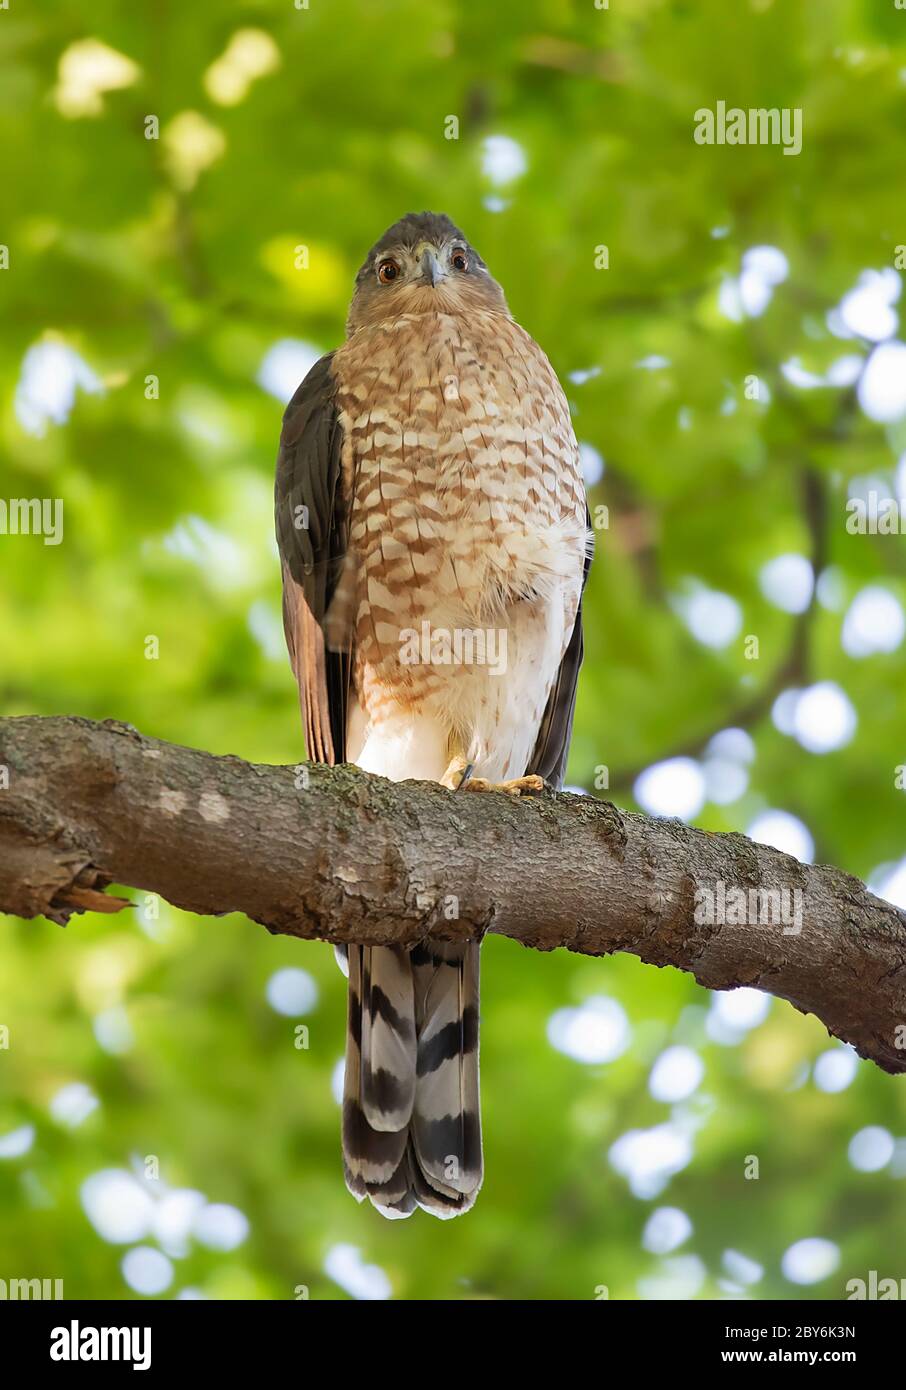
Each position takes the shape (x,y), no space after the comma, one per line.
(517,786)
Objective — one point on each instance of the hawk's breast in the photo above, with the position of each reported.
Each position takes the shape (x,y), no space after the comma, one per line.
(467,508)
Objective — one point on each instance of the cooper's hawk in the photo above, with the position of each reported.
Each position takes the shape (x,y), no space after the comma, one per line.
(433,532)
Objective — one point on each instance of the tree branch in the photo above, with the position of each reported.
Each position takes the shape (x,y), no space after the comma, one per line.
(336,854)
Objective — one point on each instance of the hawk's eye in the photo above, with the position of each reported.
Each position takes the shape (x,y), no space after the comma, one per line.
(387,271)
(460,259)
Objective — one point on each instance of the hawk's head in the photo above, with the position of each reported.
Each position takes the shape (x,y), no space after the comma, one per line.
(422,264)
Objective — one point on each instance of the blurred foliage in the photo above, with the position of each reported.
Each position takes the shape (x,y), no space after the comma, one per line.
(174,258)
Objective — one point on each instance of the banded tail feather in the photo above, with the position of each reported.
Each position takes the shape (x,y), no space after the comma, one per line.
(411,1109)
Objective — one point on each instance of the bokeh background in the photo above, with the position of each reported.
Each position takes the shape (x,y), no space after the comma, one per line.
(725,322)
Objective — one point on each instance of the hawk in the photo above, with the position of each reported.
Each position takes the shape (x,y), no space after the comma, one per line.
(434,541)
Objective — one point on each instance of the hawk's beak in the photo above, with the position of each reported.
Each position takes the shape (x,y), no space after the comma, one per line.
(432,270)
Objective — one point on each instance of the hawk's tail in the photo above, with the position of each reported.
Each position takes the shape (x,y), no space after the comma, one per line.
(411,1121)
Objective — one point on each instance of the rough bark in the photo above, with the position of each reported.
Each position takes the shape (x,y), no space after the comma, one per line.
(339,855)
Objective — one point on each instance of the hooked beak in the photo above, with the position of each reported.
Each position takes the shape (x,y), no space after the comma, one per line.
(432,270)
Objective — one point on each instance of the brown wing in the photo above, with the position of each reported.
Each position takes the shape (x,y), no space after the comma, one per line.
(548,759)
(311,523)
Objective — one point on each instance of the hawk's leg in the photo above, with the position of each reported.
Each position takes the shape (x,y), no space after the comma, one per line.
(457,773)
